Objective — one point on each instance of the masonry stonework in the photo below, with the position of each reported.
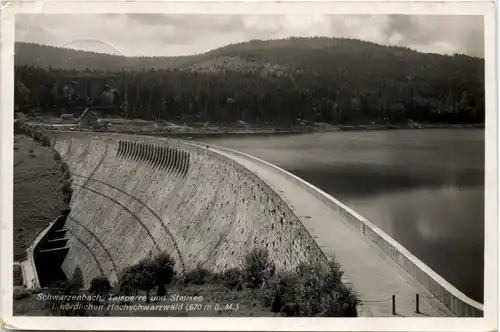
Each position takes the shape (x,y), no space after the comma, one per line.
(136,196)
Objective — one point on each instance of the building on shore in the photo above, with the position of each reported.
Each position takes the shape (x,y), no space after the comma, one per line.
(88,119)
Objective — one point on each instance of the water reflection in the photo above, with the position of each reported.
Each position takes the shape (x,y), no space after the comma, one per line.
(425,188)
(442,226)
(355,180)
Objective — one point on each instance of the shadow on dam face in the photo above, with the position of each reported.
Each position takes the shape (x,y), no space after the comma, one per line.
(137,196)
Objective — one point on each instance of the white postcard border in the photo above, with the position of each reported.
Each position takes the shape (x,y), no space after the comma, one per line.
(487,323)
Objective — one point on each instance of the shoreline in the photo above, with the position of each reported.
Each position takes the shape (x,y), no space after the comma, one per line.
(225,132)
(275,131)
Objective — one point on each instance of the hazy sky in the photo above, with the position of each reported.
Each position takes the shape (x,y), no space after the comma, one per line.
(155,34)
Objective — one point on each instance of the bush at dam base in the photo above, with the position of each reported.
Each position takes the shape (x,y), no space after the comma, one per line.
(315,290)
(148,274)
(311,290)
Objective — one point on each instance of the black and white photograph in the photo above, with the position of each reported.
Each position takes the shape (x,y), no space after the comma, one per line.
(254,165)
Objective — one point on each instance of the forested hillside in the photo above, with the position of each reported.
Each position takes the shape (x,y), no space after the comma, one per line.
(319,79)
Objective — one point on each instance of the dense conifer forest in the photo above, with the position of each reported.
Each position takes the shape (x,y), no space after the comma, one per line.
(279,81)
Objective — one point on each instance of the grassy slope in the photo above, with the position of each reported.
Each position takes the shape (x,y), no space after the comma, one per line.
(37,194)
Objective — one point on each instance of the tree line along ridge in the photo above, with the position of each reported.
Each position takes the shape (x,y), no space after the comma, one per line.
(278,81)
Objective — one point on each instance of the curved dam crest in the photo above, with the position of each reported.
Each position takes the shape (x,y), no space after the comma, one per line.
(400,259)
(136,196)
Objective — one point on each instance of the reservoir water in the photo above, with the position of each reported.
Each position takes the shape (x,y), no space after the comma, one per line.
(425,188)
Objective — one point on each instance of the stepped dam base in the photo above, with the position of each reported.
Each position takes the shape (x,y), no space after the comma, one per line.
(135,196)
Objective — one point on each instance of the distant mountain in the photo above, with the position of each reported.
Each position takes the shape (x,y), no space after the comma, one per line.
(44,56)
(317,53)
(336,78)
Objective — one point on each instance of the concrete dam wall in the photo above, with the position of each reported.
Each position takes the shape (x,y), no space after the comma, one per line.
(136,196)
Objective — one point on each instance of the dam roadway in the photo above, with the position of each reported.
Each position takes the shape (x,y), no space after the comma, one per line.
(210,204)
(374,276)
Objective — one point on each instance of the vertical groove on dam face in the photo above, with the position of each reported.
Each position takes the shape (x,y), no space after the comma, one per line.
(123,149)
(137,152)
(119,152)
(189,162)
(144,153)
(180,162)
(169,160)
(154,156)
(185,164)
(128,149)
(174,161)
(178,165)
(164,159)
(159,156)
(149,191)
(173,165)
(159,161)
(147,153)
(132,150)
(151,155)
(140,153)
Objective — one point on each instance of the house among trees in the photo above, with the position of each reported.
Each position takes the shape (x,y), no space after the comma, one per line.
(67,116)
(88,119)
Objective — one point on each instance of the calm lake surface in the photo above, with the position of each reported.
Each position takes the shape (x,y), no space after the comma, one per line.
(425,188)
